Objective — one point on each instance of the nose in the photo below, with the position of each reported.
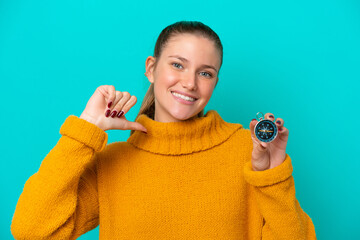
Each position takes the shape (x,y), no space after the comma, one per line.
(189,81)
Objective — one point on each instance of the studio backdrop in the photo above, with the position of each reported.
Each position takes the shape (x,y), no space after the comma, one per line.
(296,59)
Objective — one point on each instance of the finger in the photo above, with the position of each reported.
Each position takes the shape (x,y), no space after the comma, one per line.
(283,133)
(256,141)
(132,101)
(252,127)
(279,122)
(115,109)
(269,116)
(110,89)
(125,96)
(106,91)
(111,93)
(135,126)
(102,89)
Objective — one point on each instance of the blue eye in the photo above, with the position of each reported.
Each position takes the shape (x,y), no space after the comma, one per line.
(177,64)
(208,74)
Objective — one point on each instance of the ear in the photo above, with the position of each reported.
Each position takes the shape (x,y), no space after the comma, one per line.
(149,66)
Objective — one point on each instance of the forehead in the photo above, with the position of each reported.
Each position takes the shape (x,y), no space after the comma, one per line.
(192,47)
(189,40)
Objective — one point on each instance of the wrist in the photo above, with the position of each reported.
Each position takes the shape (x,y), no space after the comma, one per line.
(259,170)
(259,167)
(90,120)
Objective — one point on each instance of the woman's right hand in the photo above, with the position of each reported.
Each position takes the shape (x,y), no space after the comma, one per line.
(98,112)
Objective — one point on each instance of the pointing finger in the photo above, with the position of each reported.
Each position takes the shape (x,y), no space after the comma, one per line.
(135,126)
(252,127)
(256,142)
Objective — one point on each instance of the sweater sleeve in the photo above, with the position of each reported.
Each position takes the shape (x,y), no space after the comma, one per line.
(60,201)
(274,192)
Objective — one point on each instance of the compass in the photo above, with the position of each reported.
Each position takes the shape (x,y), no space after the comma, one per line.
(265,130)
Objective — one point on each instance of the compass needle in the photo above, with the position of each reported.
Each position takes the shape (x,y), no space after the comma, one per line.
(262,129)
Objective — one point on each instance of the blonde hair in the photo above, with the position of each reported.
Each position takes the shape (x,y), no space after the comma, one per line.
(148,104)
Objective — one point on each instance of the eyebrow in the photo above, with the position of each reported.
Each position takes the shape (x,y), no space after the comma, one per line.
(185,60)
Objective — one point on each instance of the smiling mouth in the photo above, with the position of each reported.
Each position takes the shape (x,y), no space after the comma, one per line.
(186,98)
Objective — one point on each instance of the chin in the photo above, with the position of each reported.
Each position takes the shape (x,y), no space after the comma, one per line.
(181,116)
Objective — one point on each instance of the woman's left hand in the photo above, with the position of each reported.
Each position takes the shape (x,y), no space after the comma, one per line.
(269,155)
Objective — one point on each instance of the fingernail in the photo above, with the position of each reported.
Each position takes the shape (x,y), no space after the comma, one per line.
(107,113)
(253,119)
(271,116)
(113,114)
(120,113)
(109,105)
(278,122)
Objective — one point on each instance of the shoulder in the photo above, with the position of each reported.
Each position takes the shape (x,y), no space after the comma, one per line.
(114,148)
(240,134)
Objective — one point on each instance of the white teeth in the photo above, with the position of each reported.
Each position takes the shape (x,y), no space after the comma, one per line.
(184,97)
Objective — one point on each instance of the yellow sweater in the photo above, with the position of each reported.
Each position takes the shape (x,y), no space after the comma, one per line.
(182,180)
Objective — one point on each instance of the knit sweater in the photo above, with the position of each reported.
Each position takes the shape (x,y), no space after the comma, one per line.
(181,180)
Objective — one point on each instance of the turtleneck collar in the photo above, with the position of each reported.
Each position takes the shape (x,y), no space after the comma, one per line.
(175,138)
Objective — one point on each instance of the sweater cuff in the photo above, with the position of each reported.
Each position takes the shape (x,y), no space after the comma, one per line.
(270,176)
(84,132)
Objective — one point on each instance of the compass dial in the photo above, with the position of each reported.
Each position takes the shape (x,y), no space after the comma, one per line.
(266,130)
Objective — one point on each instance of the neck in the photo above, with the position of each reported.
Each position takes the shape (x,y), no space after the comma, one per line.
(166,120)
(182,137)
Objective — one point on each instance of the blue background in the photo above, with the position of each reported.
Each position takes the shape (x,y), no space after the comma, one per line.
(296,59)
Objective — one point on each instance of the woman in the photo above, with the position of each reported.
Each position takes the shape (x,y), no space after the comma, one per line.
(180,175)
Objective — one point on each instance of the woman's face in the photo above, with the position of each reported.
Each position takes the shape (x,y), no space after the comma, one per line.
(184,78)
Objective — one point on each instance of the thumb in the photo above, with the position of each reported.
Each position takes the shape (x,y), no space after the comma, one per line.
(252,127)
(136,126)
(256,142)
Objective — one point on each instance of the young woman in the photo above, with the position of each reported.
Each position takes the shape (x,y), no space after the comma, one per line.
(180,175)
